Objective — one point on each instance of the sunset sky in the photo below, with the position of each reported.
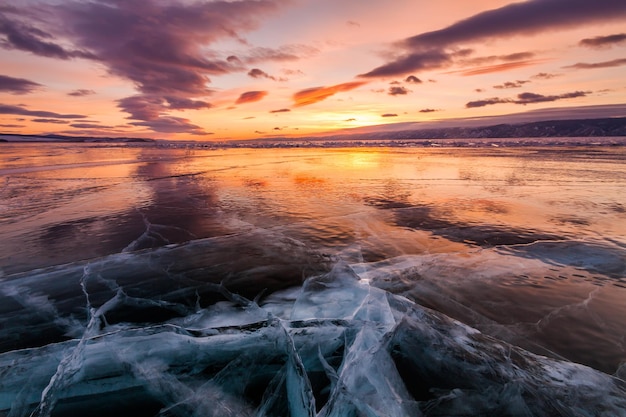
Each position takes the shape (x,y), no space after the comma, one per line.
(216,70)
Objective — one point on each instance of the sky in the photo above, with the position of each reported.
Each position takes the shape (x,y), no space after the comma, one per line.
(248,69)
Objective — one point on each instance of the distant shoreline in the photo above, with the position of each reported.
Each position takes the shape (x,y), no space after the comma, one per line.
(606,131)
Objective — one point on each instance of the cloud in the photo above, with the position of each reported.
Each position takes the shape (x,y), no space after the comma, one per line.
(396,91)
(486,102)
(436,49)
(257,73)
(497,68)
(544,76)
(280,111)
(389,115)
(57,121)
(412,79)
(20,34)
(20,110)
(316,94)
(428,110)
(163,48)
(605,64)
(81,93)
(169,124)
(90,126)
(600,42)
(152,113)
(11,126)
(511,84)
(417,61)
(251,97)
(526,98)
(293,52)
(352,119)
(17,85)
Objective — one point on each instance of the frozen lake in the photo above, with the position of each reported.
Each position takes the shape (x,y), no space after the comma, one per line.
(145,280)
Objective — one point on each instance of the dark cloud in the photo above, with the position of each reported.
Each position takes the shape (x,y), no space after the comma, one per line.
(251,96)
(436,49)
(163,48)
(428,110)
(398,91)
(151,111)
(280,111)
(277,128)
(17,85)
(486,102)
(511,84)
(352,119)
(412,79)
(20,110)
(544,76)
(258,73)
(81,93)
(418,61)
(57,121)
(605,64)
(316,94)
(169,124)
(18,33)
(10,126)
(600,42)
(389,115)
(479,90)
(90,126)
(526,98)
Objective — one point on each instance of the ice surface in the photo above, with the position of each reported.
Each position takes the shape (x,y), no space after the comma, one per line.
(175,332)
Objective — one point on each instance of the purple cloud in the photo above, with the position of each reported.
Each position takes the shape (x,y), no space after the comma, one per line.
(412,79)
(428,110)
(544,76)
(81,93)
(436,49)
(57,121)
(17,85)
(163,48)
(398,91)
(605,64)
(20,34)
(258,73)
(600,42)
(20,110)
(511,84)
(90,126)
(526,98)
(152,113)
(486,102)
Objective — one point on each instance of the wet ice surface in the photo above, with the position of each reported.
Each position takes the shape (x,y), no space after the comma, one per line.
(152,281)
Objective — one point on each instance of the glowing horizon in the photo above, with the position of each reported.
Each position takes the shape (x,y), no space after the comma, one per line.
(218,70)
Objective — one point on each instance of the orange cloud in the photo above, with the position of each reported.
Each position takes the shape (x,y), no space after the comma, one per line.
(499,67)
(251,96)
(315,94)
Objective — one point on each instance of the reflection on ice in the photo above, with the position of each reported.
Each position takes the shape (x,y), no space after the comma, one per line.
(177,331)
